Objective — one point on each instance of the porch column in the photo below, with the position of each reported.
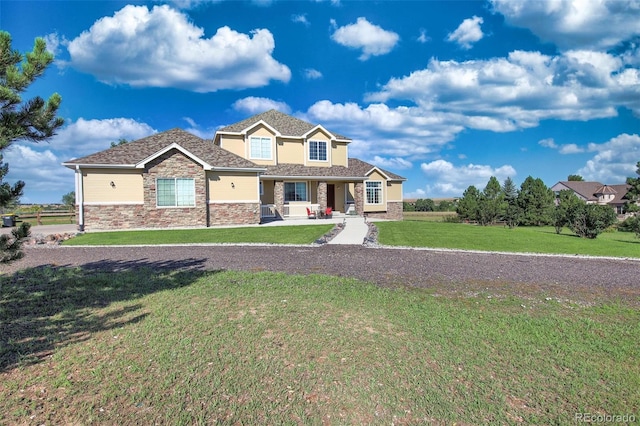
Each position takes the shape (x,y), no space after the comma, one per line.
(358,198)
(322,195)
(278,197)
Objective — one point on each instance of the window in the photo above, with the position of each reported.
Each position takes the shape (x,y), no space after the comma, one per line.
(260,148)
(318,150)
(295,191)
(175,192)
(374,192)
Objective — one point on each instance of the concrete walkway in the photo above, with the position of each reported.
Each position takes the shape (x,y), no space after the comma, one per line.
(354,232)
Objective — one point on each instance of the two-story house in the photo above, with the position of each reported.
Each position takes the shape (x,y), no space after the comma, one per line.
(597,193)
(271,165)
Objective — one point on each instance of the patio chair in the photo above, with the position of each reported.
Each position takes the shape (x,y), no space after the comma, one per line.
(311,214)
(328,213)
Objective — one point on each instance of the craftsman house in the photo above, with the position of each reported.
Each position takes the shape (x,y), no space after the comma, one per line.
(269,166)
(597,193)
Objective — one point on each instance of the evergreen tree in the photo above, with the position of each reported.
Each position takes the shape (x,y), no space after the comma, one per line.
(468,205)
(491,202)
(512,211)
(634,191)
(537,202)
(33,120)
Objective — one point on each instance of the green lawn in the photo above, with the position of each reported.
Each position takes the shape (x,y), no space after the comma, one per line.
(193,347)
(300,234)
(499,238)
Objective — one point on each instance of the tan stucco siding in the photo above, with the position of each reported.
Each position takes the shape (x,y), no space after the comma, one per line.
(127,186)
(373,177)
(264,132)
(234,144)
(235,187)
(268,187)
(290,151)
(318,136)
(394,191)
(339,154)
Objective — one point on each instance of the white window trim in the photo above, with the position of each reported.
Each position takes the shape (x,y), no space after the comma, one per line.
(327,147)
(306,184)
(262,138)
(366,198)
(193,181)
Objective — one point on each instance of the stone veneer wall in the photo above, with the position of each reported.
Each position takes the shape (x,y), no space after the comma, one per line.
(278,195)
(358,198)
(394,212)
(122,216)
(174,164)
(322,195)
(234,214)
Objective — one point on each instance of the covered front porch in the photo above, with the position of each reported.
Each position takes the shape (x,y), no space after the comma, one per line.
(282,199)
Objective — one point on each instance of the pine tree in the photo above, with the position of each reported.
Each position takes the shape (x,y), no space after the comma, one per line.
(468,205)
(512,211)
(33,120)
(491,203)
(537,202)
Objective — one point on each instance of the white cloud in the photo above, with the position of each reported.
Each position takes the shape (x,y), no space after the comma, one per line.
(615,160)
(40,170)
(570,148)
(548,143)
(404,132)
(570,24)
(423,37)
(312,74)
(396,163)
(161,48)
(88,136)
(302,19)
(372,39)
(516,92)
(467,33)
(448,180)
(255,105)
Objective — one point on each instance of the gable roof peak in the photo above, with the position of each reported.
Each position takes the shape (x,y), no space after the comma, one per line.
(284,124)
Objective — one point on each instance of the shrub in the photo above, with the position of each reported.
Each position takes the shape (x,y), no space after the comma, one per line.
(590,220)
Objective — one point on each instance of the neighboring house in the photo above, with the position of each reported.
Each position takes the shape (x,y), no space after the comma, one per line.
(271,165)
(596,193)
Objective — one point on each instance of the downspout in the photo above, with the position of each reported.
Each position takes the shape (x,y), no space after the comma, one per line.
(80,199)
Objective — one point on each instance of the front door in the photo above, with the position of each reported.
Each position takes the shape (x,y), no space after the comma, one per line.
(331,196)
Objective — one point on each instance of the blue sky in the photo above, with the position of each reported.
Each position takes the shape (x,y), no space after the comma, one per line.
(444,93)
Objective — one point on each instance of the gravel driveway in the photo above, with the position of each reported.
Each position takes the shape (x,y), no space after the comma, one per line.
(577,279)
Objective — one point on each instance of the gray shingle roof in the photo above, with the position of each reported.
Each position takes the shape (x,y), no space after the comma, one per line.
(134,152)
(283,123)
(357,169)
(363,167)
(588,190)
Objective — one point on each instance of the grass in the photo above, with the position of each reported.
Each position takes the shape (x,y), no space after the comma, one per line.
(428,216)
(499,238)
(144,346)
(299,234)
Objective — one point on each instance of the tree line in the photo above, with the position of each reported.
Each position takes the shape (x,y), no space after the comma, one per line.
(534,204)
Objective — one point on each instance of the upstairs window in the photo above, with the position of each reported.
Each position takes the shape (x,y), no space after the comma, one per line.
(260,148)
(374,192)
(295,191)
(175,192)
(318,150)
